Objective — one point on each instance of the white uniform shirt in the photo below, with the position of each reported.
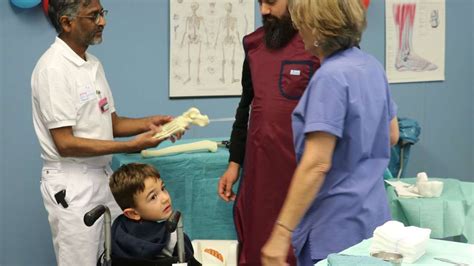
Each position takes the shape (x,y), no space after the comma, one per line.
(66,91)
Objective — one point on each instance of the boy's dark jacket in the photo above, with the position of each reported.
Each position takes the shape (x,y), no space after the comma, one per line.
(143,240)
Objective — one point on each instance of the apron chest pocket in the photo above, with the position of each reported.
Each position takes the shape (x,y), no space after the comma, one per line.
(294,77)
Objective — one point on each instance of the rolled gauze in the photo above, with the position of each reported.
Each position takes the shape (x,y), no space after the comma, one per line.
(430,189)
(421,177)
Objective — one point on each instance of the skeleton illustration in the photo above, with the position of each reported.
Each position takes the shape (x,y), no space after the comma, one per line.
(181,123)
(193,36)
(229,40)
(407,60)
(206,39)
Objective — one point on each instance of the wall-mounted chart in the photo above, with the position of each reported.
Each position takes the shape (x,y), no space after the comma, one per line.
(206,53)
(415,40)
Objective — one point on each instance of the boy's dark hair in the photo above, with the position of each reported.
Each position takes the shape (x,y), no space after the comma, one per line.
(128,181)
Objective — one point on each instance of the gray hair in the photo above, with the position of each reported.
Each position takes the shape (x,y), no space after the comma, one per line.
(59,8)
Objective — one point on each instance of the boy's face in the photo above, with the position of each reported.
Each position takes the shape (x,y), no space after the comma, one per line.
(154,202)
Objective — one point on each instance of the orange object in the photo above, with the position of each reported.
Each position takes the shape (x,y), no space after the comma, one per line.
(215,253)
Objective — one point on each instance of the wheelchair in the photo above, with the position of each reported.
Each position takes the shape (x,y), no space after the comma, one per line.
(107,259)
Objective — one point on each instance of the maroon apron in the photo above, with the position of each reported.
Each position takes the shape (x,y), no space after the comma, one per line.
(279,78)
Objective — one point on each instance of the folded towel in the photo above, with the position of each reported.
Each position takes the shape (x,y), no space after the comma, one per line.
(344,260)
(394,237)
(393,232)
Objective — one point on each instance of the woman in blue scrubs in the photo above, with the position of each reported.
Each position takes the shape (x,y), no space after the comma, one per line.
(343,127)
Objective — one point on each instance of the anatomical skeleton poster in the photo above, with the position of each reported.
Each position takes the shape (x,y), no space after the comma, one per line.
(206,53)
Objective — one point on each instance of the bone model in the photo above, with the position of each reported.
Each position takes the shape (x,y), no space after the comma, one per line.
(180,123)
(204,145)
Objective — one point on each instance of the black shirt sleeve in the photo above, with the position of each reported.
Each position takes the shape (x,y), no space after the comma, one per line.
(238,136)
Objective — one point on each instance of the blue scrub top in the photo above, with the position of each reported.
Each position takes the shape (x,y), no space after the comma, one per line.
(348,97)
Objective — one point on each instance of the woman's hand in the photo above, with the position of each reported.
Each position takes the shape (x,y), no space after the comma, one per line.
(275,251)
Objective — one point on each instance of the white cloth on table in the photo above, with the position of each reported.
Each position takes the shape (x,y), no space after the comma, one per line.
(423,187)
(394,237)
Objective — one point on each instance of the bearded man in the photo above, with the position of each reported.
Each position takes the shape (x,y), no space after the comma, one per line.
(275,73)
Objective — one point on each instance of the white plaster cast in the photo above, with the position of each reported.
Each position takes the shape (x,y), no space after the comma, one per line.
(421,177)
(204,145)
(428,188)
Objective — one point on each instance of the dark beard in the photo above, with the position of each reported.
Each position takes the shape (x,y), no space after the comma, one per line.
(278,31)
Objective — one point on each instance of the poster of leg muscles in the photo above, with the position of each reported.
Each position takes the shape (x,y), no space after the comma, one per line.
(415,40)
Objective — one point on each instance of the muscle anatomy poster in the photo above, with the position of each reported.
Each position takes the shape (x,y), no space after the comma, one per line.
(415,40)
(206,53)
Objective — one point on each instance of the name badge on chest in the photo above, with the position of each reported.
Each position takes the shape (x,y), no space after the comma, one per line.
(103,105)
(295,72)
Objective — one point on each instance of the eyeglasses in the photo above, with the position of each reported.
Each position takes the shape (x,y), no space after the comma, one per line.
(96,16)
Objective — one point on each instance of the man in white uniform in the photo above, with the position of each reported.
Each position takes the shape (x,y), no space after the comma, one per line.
(75,120)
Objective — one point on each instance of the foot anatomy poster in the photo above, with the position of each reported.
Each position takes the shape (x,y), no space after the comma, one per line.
(415,40)
(206,53)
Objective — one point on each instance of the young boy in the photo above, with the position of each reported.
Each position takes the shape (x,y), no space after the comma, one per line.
(140,232)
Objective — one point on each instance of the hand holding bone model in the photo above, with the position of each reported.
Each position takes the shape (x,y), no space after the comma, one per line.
(181,123)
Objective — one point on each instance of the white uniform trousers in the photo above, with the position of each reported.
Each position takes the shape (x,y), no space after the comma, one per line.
(86,187)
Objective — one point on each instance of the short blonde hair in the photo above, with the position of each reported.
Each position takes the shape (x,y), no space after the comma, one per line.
(336,24)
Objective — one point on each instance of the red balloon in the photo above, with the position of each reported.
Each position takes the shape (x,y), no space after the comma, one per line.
(366,3)
(45,6)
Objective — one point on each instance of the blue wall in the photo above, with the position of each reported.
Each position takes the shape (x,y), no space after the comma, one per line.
(135,56)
